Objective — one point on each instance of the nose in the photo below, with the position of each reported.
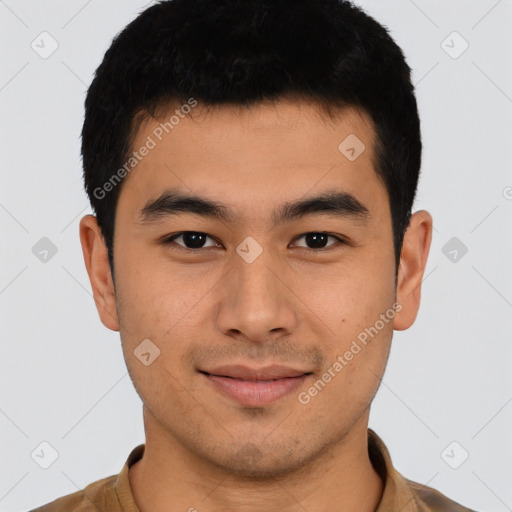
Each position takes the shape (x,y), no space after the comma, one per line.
(257,300)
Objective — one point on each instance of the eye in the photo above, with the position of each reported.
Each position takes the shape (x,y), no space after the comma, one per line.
(318,240)
(195,240)
(191,239)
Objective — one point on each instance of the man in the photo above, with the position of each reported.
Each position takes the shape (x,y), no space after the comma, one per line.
(252,165)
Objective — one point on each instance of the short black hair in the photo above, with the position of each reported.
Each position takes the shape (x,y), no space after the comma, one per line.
(242,52)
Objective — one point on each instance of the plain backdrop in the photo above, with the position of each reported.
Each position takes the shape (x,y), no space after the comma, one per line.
(446,397)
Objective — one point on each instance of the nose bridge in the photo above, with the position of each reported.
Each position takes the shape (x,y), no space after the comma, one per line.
(256,301)
(256,283)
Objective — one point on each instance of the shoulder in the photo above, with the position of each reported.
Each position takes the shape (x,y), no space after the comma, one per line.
(430,500)
(97,495)
(398,490)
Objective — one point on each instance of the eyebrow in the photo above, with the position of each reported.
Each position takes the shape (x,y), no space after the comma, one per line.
(332,202)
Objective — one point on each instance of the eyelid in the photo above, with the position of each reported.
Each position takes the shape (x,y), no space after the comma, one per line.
(169,239)
(340,240)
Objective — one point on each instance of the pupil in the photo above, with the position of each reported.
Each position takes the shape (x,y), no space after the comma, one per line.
(313,238)
(194,240)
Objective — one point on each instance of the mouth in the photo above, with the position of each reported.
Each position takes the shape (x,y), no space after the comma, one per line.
(255,387)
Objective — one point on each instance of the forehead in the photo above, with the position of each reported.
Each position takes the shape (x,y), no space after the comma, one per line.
(247,156)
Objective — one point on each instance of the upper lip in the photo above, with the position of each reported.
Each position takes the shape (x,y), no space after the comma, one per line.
(271,372)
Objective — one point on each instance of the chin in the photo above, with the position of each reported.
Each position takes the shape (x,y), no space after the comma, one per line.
(254,462)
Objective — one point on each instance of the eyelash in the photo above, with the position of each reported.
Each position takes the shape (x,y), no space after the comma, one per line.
(170,240)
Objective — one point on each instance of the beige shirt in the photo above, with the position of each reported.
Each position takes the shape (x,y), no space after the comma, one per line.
(113,494)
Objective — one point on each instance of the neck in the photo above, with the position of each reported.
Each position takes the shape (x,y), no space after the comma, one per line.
(340,478)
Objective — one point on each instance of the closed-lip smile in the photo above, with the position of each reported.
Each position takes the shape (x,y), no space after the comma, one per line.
(255,386)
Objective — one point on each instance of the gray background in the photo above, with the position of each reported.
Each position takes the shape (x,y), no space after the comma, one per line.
(62,374)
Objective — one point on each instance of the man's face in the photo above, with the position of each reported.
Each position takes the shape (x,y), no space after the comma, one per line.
(214,300)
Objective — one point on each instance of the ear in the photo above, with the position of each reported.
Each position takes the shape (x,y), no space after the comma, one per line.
(98,268)
(413,260)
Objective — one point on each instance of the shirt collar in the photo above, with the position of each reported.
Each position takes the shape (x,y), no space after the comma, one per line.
(123,489)
(397,495)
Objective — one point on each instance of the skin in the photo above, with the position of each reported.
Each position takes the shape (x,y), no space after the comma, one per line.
(293,305)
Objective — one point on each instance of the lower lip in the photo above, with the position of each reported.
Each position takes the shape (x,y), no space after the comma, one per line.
(256,393)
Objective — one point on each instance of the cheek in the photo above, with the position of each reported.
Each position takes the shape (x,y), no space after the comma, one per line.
(149,296)
(352,372)
(351,304)
(165,304)
(351,298)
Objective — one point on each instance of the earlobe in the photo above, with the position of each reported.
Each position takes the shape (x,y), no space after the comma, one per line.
(97,265)
(413,260)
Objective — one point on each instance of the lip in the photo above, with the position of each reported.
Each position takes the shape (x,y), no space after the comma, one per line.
(255,387)
(239,371)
